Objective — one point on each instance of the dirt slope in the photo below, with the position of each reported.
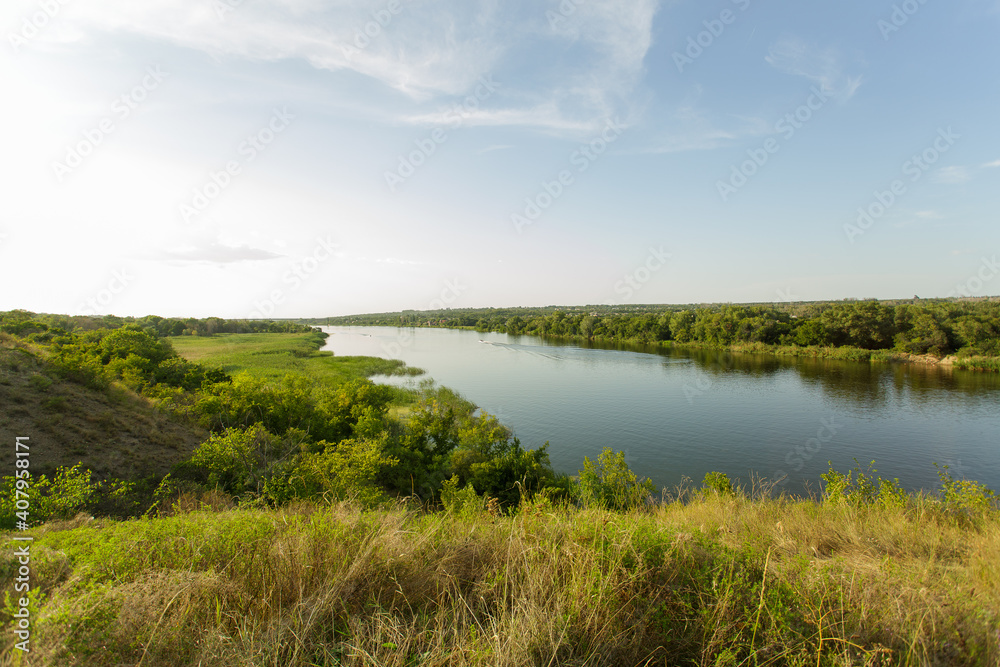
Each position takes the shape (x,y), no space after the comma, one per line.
(114,433)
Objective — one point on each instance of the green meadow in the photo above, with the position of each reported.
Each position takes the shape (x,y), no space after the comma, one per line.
(272,356)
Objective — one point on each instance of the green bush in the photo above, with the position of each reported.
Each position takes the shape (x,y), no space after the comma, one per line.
(858,488)
(461,501)
(237,459)
(610,483)
(718,483)
(964,496)
(72,490)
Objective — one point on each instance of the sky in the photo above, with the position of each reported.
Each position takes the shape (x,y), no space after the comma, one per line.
(312,158)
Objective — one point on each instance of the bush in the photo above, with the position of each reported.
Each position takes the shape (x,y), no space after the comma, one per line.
(718,483)
(463,502)
(611,484)
(858,488)
(237,459)
(72,490)
(964,496)
(347,470)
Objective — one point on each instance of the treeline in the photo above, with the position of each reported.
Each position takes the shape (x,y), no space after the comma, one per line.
(937,328)
(44,326)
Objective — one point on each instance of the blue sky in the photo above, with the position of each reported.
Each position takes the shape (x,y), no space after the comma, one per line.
(310,158)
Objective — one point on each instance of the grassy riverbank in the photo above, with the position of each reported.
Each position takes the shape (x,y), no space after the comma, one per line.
(272,356)
(717,580)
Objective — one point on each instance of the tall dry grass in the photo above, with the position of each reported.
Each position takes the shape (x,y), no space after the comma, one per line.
(717,580)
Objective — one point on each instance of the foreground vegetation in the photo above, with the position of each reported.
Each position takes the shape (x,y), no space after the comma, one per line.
(716,578)
(856,330)
(326,520)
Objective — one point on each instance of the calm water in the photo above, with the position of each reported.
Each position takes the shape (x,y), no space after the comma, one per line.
(685,413)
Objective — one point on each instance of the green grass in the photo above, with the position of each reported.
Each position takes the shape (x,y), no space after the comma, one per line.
(720,580)
(974,363)
(272,356)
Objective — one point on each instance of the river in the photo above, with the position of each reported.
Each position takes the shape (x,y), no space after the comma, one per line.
(683,413)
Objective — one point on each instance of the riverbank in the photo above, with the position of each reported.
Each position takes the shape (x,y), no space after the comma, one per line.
(843,353)
(722,579)
(918,330)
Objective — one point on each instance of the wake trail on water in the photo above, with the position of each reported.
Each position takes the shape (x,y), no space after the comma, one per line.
(526,349)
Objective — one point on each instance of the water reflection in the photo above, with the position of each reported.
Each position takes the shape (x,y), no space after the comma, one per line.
(690,411)
(853,384)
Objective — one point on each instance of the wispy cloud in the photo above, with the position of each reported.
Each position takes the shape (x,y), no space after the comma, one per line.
(991,165)
(691,129)
(546,116)
(429,51)
(394,261)
(213,253)
(953,175)
(822,66)
(490,149)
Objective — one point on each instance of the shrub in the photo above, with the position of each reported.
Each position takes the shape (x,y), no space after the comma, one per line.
(72,490)
(236,459)
(611,484)
(858,488)
(464,501)
(965,496)
(347,470)
(718,483)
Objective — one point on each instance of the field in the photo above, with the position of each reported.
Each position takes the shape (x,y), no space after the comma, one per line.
(271,356)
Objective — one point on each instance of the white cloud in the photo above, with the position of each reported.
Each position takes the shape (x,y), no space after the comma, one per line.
(823,67)
(214,253)
(691,129)
(429,50)
(991,165)
(544,116)
(490,149)
(952,175)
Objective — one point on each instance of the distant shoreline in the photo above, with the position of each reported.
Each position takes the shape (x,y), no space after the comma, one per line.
(845,353)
